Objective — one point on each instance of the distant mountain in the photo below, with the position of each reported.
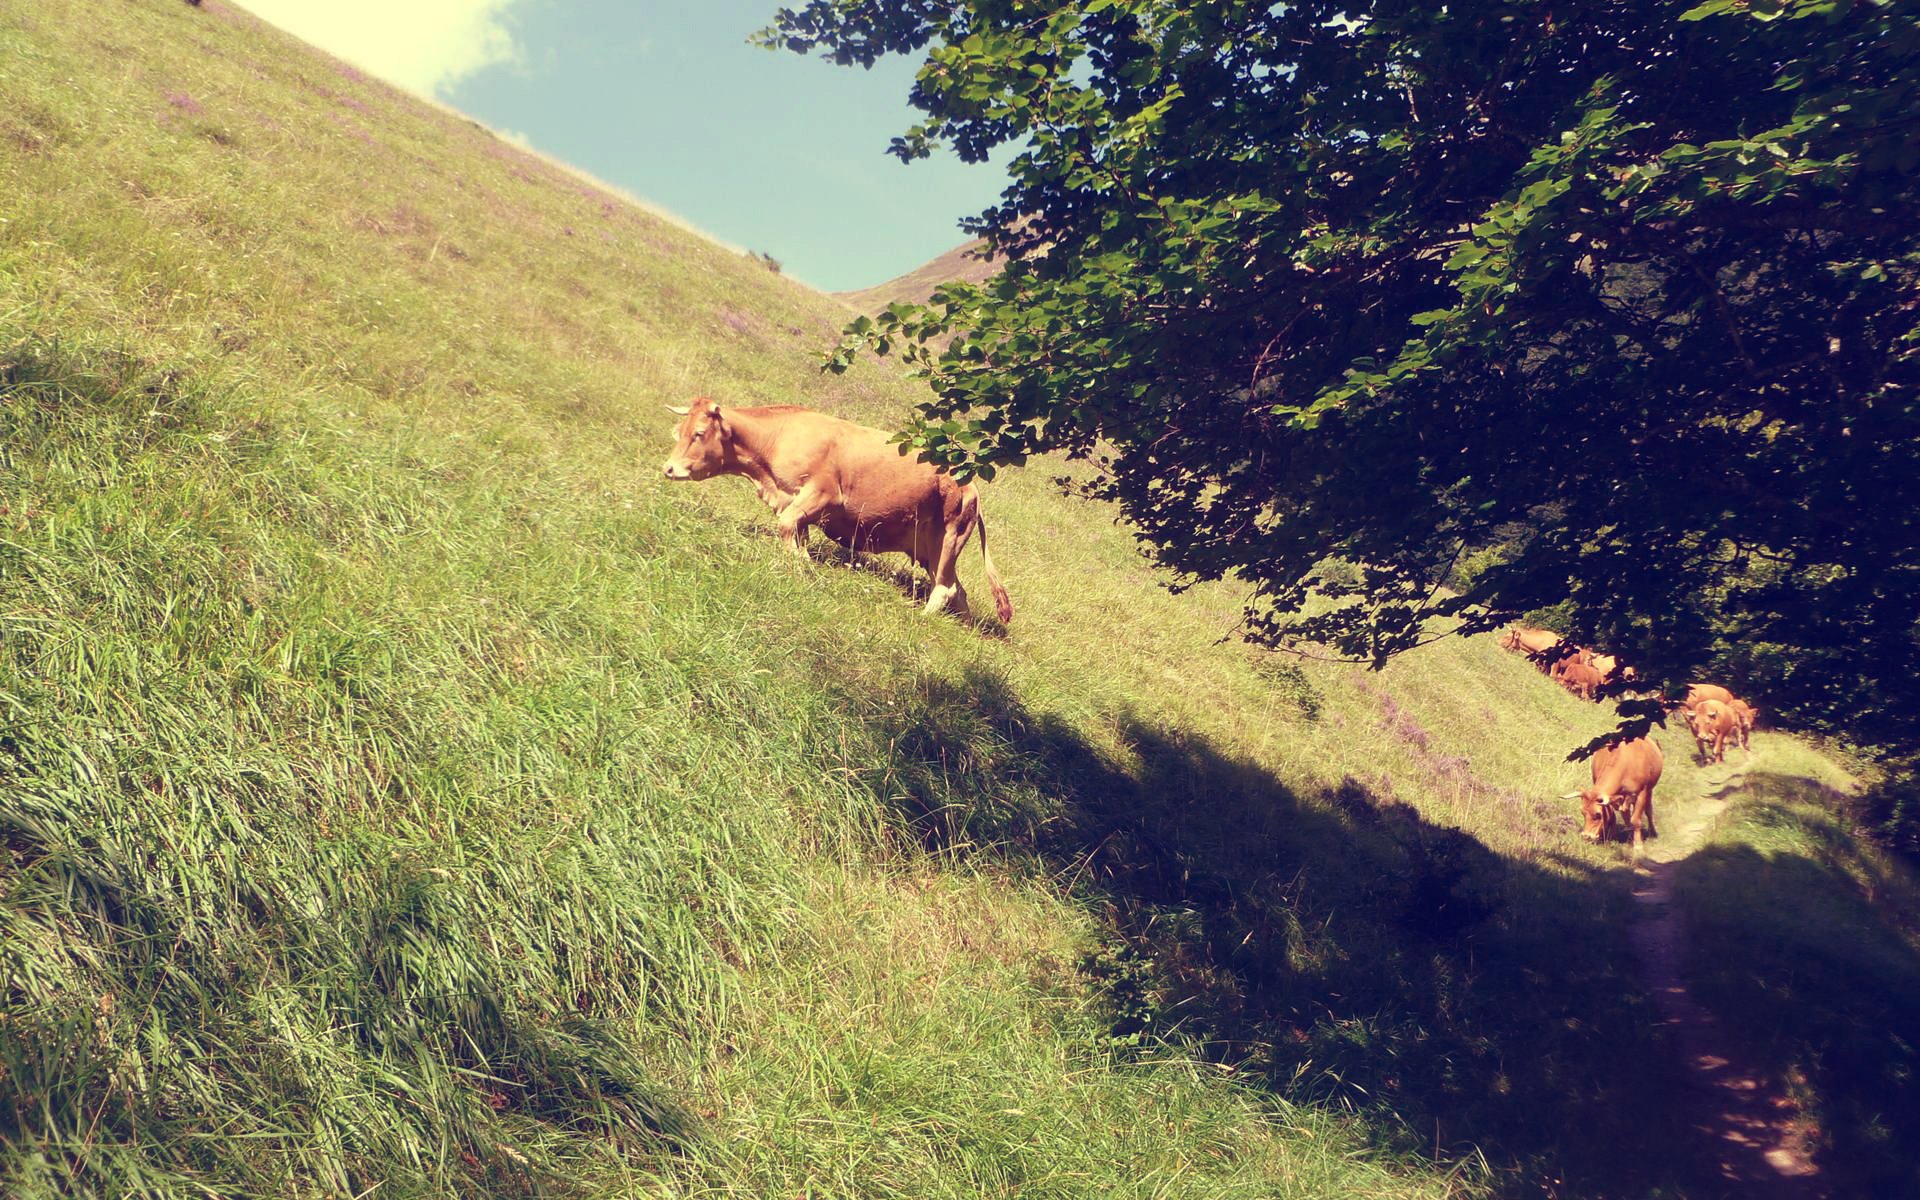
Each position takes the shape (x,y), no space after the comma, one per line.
(962,264)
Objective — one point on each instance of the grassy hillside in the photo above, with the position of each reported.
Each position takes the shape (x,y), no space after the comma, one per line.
(402,785)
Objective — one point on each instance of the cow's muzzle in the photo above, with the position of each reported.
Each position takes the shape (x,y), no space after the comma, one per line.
(675,470)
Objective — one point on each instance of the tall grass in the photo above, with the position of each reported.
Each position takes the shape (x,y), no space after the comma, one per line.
(403,788)
(357,833)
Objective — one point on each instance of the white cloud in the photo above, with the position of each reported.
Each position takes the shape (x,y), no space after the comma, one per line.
(425,45)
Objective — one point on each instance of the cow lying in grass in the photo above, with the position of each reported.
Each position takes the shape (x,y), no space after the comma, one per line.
(1529,641)
(850,480)
(1624,775)
(1578,675)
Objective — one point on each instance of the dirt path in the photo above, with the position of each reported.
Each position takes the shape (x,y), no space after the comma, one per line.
(1753,1130)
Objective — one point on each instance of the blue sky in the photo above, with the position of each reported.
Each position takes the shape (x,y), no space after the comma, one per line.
(769,151)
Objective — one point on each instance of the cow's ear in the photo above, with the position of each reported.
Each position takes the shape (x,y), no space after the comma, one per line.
(713,407)
(678,411)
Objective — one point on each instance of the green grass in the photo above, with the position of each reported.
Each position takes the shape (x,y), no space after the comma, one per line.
(402,785)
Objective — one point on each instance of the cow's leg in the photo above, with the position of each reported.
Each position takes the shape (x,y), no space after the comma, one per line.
(945,566)
(1645,804)
(797,517)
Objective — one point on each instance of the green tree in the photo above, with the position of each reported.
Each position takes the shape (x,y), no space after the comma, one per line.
(1613,301)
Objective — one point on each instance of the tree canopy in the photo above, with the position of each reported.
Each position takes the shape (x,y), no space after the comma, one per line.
(1413,315)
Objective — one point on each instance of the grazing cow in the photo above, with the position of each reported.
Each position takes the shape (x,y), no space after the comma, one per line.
(1624,775)
(850,480)
(1714,722)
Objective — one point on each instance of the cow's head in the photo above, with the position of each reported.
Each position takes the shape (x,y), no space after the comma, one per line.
(1708,718)
(700,444)
(1597,810)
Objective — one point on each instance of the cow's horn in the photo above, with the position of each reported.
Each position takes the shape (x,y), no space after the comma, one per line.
(1571,796)
(678,411)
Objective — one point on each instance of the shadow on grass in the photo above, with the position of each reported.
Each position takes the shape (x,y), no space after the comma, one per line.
(1334,947)
(896,570)
(905,576)
(1890,809)
(1794,948)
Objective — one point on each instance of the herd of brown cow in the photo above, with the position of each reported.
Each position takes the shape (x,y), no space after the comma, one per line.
(853,483)
(1576,668)
(1624,773)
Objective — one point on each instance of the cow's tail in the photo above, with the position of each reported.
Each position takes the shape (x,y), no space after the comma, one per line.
(1002,603)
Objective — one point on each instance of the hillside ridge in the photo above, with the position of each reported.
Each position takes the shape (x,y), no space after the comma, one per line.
(962,264)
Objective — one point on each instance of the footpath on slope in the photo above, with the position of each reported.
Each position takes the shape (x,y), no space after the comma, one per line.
(1753,1132)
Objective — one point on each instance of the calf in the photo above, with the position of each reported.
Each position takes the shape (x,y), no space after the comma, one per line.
(1610,668)
(1746,714)
(850,480)
(1578,677)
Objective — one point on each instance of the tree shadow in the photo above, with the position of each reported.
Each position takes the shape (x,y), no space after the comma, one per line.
(1825,987)
(1891,809)
(1336,947)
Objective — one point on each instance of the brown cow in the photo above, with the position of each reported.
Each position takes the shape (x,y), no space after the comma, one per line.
(850,480)
(1714,722)
(1624,775)
(1747,715)
(1696,692)
(1577,675)
(1529,641)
